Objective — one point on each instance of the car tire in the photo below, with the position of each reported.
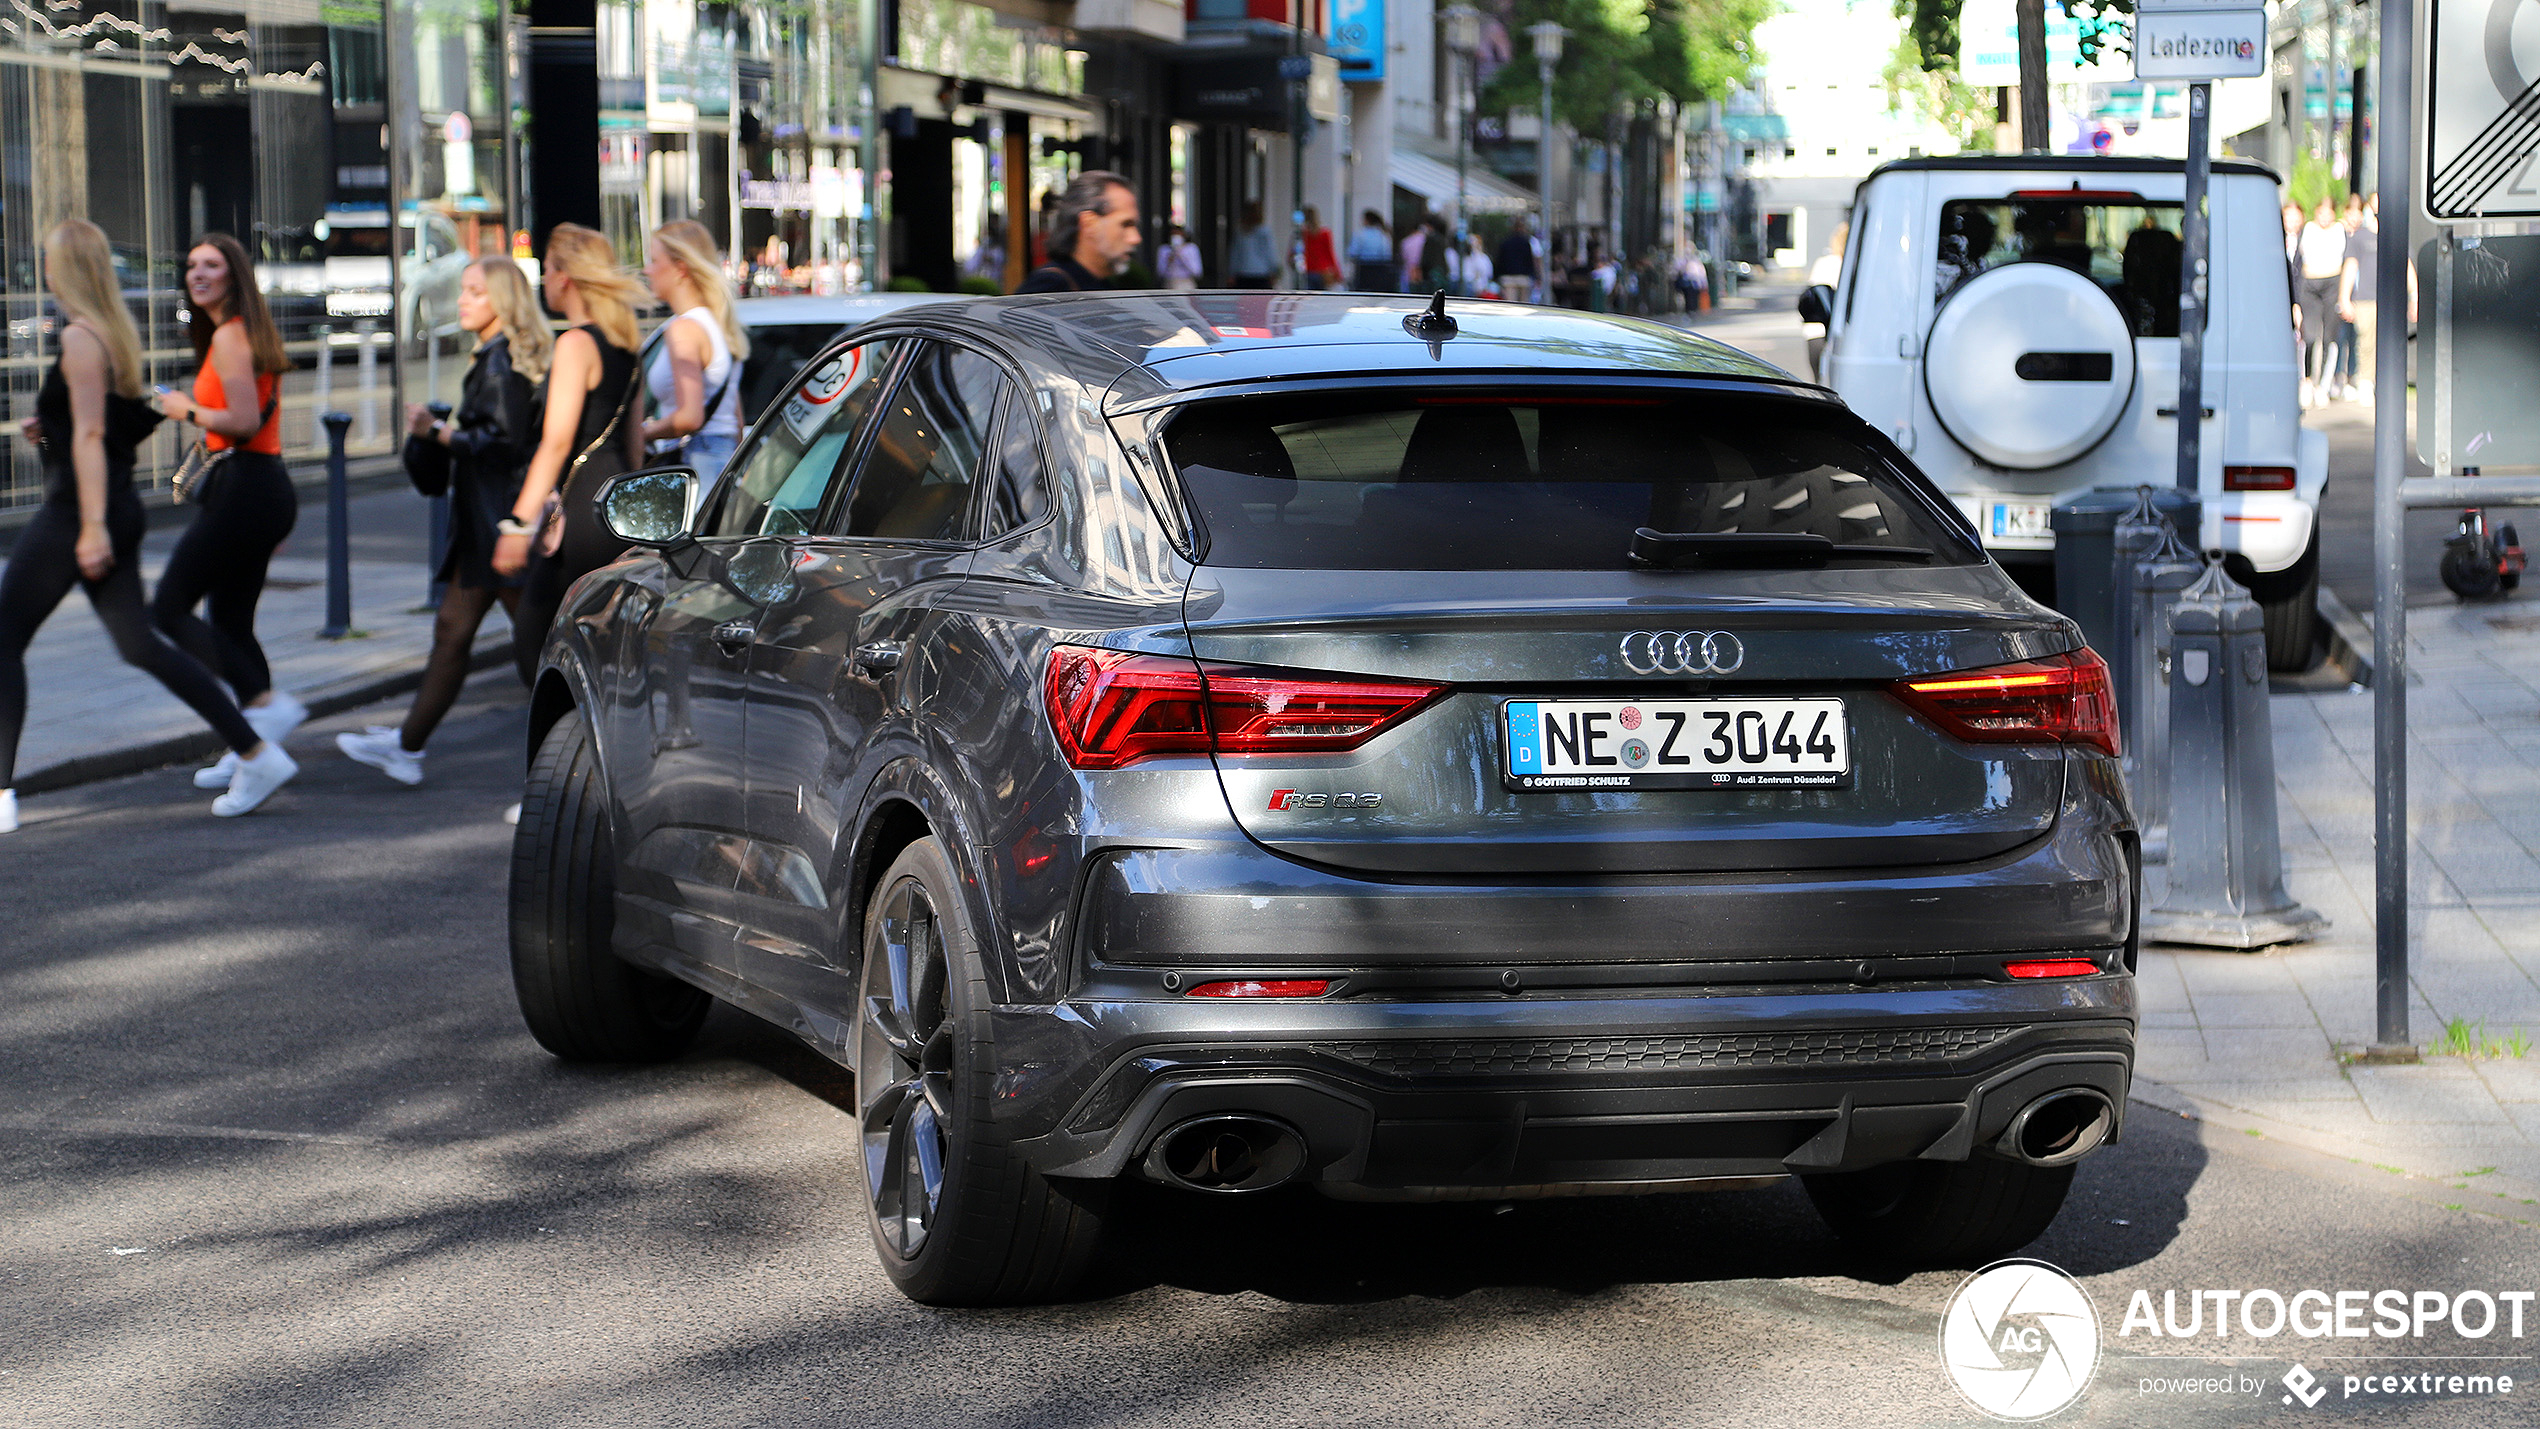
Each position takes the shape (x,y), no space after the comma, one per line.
(2289,600)
(1941,1213)
(958,1218)
(581,1001)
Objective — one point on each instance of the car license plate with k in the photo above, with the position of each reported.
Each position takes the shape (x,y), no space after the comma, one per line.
(1678,744)
(2022,521)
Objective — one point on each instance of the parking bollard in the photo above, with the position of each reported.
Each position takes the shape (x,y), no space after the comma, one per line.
(2226,871)
(2098,537)
(339,539)
(2160,576)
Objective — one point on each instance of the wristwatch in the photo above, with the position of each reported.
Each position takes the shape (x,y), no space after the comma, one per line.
(514,526)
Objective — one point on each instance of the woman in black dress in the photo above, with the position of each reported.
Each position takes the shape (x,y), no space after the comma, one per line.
(477,454)
(583,437)
(89,418)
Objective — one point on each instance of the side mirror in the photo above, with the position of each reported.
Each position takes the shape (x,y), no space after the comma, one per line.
(656,507)
(1816,305)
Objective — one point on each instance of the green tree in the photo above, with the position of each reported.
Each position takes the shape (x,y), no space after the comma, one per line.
(1965,110)
(1622,53)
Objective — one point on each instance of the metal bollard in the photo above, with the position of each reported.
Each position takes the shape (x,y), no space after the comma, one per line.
(2161,574)
(2226,874)
(339,539)
(2098,537)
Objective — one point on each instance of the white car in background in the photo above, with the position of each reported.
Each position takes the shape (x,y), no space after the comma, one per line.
(2012,322)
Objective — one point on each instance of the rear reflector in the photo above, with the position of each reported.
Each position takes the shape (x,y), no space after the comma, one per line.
(2052,967)
(2257,478)
(2060,699)
(1279,987)
(1111,708)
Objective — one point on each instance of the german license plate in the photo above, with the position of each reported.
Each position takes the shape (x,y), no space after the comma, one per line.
(2023,521)
(1678,744)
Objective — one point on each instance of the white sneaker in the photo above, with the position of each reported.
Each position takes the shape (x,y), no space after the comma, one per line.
(273,723)
(255,780)
(217,775)
(2306,394)
(511,816)
(8,811)
(381,747)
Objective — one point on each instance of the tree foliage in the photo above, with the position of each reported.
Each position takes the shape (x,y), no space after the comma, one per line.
(1621,53)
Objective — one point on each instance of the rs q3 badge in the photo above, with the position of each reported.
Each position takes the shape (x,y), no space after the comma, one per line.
(1284,799)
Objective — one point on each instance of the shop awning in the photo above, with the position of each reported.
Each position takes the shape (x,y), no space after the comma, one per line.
(1484,191)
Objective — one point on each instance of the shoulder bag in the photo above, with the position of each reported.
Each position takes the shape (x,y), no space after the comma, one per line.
(200,468)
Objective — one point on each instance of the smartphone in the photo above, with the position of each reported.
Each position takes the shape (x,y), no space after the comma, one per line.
(440,410)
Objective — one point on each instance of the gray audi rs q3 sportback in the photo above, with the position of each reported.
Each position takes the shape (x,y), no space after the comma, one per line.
(1242,741)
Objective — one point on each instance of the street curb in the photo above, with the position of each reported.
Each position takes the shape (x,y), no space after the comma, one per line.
(2493,1194)
(2349,639)
(203,745)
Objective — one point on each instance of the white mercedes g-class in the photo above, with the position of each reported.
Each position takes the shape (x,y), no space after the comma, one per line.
(2012,321)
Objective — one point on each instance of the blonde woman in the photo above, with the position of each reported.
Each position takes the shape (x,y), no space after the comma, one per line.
(695,379)
(88,419)
(590,386)
(478,454)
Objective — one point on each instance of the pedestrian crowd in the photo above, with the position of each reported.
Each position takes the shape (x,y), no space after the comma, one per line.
(2333,261)
(543,421)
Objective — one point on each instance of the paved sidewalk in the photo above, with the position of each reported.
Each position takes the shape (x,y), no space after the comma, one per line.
(90,716)
(2262,1040)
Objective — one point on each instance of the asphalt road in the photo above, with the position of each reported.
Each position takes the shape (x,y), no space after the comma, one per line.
(275,1150)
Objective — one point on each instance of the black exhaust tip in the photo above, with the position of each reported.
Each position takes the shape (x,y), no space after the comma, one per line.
(2059,1128)
(1227,1154)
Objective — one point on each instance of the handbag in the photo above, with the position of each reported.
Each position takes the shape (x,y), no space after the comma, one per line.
(551,522)
(201,466)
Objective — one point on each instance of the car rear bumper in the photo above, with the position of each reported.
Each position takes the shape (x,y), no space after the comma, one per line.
(1573,1094)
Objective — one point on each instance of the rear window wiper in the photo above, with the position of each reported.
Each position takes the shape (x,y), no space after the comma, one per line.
(1652,547)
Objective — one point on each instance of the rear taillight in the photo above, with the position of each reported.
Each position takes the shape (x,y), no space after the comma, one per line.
(2051,967)
(1112,708)
(2257,478)
(1265,987)
(2061,699)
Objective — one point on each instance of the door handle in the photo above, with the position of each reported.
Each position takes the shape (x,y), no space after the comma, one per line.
(731,635)
(880,657)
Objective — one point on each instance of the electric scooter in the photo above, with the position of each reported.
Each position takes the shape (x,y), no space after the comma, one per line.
(2478,561)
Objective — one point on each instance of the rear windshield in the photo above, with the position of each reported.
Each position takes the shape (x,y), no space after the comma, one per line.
(2128,246)
(1392,481)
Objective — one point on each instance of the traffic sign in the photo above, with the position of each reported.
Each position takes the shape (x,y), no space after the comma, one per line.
(2175,42)
(2482,126)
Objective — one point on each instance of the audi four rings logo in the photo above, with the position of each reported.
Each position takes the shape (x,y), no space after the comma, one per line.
(1683,652)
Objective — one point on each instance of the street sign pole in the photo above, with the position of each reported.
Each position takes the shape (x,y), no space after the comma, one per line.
(2191,290)
(2391,115)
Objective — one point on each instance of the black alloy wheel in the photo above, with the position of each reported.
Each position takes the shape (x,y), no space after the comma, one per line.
(904,1054)
(958,1217)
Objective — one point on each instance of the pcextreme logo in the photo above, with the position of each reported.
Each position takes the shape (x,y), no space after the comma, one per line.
(2020,1340)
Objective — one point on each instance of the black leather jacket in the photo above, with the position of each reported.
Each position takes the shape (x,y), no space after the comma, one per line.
(493,434)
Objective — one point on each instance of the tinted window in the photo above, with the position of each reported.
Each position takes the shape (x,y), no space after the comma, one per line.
(1335,481)
(2130,248)
(1019,498)
(776,487)
(916,483)
(777,354)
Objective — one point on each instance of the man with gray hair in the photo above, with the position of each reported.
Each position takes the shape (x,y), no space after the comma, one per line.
(1092,234)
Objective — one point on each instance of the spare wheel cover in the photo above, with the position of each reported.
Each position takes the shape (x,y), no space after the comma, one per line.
(2029,365)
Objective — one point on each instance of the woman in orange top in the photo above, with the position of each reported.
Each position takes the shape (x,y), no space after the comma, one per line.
(250,506)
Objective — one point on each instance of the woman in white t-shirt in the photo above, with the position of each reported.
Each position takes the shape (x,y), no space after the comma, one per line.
(694,379)
(2321,254)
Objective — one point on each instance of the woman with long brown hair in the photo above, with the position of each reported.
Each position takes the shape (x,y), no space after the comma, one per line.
(249,507)
(88,420)
(582,439)
(477,454)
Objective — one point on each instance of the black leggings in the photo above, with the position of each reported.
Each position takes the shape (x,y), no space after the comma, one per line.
(463,609)
(41,572)
(221,560)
